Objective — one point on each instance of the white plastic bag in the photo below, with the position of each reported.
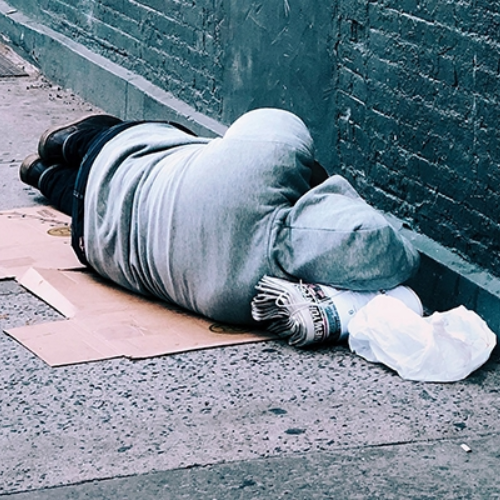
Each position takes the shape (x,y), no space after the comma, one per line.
(444,347)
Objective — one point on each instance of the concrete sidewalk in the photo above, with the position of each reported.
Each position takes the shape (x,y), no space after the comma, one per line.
(256,421)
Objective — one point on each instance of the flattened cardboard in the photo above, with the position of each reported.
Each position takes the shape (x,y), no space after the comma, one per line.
(35,236)
(103,320)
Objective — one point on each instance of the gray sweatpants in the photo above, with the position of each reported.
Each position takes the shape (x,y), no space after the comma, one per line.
(199,221)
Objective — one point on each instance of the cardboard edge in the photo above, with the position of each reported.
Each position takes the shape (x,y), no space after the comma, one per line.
(5,274)
(28,336)
(39,286)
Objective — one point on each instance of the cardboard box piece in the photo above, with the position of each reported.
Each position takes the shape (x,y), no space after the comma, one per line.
(102,320)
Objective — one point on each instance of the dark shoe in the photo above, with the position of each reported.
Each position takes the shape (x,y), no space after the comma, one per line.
(50,146)
(31,169)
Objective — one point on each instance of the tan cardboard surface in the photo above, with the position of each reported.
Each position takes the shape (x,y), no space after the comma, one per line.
(104,321)
(34,236)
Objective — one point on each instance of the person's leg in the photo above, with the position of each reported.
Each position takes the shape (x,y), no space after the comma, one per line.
(55,145)
(57,184)
(78,144)
(70,143)
(61,151)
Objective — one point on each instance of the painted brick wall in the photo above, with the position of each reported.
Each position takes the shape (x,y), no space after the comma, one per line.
(418,108)
(173,43)
(402,96)
(282,53)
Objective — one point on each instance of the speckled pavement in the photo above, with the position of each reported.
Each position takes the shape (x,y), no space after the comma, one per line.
(254,421)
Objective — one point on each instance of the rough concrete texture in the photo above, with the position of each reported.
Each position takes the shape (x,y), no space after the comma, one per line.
(70,63)
(256,421)
(442,473)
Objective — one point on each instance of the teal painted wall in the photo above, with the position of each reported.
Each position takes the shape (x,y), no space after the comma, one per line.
(219,56)
(402,96)
(283,54)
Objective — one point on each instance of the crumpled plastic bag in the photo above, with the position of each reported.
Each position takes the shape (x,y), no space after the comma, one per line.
(444,347)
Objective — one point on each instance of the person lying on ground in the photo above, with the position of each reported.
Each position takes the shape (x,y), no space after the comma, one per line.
(198,221)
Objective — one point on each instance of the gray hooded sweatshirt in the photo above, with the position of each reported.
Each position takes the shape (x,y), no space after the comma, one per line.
(199,221)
